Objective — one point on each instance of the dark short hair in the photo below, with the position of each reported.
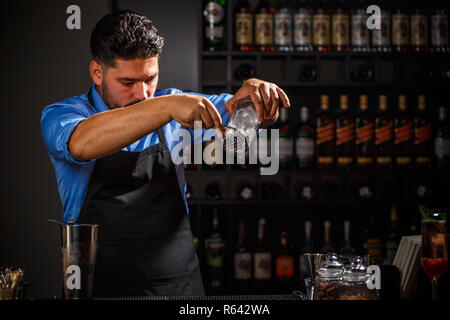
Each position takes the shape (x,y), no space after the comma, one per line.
(126,35)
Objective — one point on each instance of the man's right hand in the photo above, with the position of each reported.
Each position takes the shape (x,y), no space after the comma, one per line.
(186,108)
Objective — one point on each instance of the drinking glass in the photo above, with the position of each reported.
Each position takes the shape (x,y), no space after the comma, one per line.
(434,247)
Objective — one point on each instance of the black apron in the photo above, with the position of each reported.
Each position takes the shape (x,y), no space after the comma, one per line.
(146,245)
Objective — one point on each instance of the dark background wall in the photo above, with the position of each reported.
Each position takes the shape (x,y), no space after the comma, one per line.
(43,62)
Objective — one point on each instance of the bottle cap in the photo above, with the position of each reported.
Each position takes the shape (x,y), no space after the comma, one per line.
(344,102)
(382,100)
(421,102)
(363,102)
(402,102)
(324,104)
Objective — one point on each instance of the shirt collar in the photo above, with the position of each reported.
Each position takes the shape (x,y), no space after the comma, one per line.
(99,104)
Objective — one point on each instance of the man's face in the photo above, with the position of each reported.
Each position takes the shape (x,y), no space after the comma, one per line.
(129,82)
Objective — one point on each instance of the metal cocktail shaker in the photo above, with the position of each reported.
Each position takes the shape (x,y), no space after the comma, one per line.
(79,246)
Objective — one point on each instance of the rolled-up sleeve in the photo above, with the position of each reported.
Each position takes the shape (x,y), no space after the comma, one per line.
(58,122)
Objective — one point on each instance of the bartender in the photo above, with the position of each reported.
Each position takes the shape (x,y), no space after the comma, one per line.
(110,149)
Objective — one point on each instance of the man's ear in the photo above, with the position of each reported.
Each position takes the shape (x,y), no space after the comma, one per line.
(97,72)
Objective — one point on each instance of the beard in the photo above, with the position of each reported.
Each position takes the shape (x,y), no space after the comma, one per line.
(107,98)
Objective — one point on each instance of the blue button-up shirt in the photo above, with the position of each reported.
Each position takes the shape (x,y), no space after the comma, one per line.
(60,119)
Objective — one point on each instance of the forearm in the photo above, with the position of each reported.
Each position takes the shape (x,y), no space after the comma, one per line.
(110,131)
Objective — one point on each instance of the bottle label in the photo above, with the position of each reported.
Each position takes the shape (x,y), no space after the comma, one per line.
(384,160)
(340,27)
(244,28)
(283,29)
(321,27)
(214,253)
(360,32)
(364,134)
(263,265)
(403,133)
(384,133)
(400,30)
(214,32)
(243,266)
(285,148)
(345,134)
(302,31)
(442,147)
(213,12)
(422,134)
(419,30)
(325,133)
(284,266)
(439,33)
(305,148)
(382,37)
(263,29)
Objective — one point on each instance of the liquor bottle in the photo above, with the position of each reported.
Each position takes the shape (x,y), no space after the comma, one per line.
(419,28)
(325,135)
(308,247)
(283,26)
(345,135)
(393,238)
(340,27)
(360,32)
(347,248)
(262,257)
(243,26)
(364,135)
(215,252)
(242,260)
(400,27)
(214,18)
(381,38)
(213,191)
(422,135)
(442,140)
(264,26)
(384,135)
(373,244)
(327,245)
(305,141)
(285,139)
(439,30)
(284,263)
(303,26)
(403,135)
(321,27)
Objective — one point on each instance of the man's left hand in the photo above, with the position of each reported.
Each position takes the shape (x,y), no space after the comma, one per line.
(266,97)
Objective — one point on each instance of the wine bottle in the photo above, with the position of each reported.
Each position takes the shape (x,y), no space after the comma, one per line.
(345,135)
(381,38)
(439,30)
(308,247)
(400,27)
(325,135)
(284,264)
(422,135)
(403,135)
(364,135)
(305,141)
(243,25)
(442,140)
(262,258)
(283,26)
(360,32)
(393,238)
(215,252)
(347,248)
(373,245)
(264,26)
(384,134)
(243,263)
(321,27)
(303,26)
(419,28)
(340,27)
(286,145)
(214,18)
(327,245)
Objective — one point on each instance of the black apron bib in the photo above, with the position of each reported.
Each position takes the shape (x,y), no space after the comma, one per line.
(146,245)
